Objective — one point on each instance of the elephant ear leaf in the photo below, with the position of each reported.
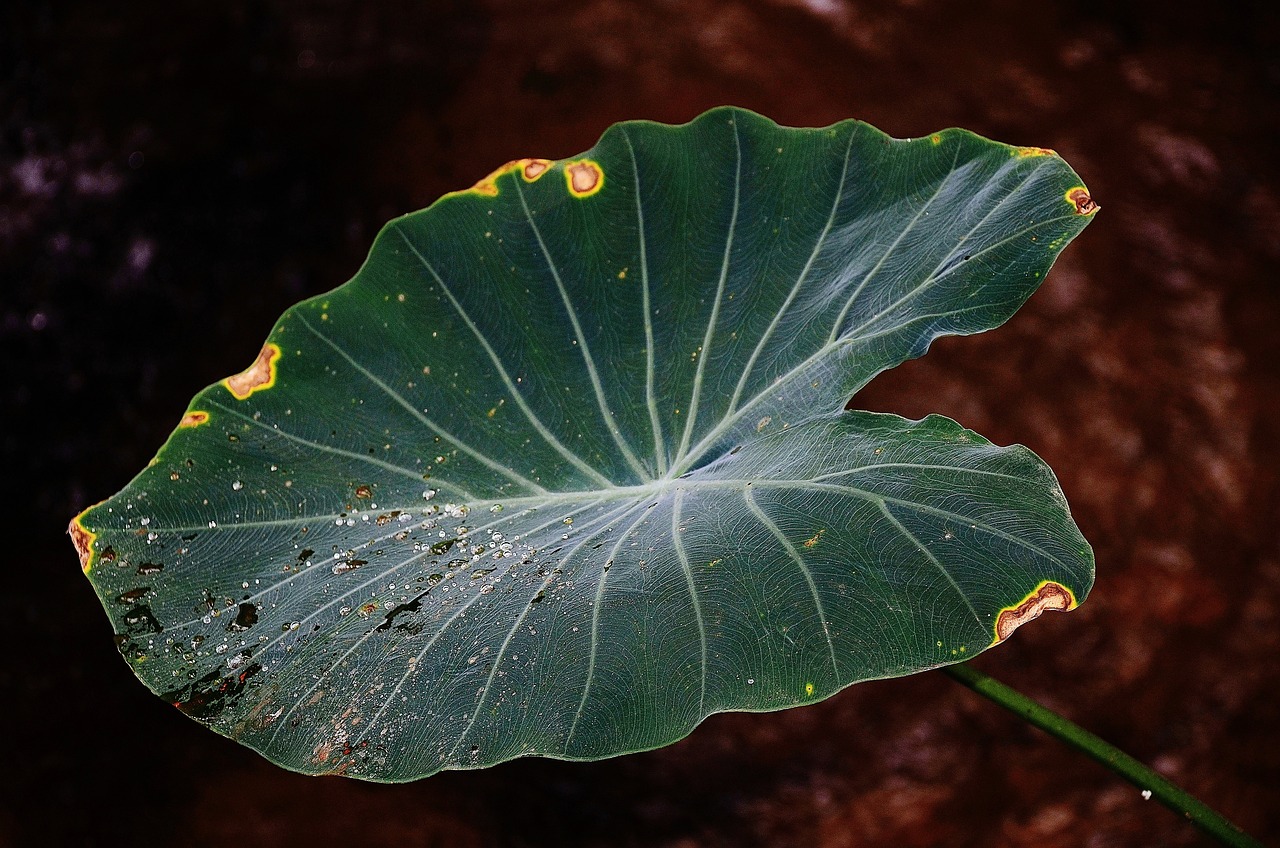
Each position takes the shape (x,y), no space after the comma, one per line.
(565,468)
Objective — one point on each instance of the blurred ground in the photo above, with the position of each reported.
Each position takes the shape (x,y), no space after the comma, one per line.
(173,176)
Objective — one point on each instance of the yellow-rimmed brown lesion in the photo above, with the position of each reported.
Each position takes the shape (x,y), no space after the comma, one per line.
(1048,596)
(260,375)
(584,177)
(82,538)
(529,169)
(1079,198)
(532,169)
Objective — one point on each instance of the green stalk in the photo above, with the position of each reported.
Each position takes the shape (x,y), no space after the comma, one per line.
(1181,802)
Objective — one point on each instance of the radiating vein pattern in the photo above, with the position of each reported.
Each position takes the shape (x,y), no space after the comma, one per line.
(564,469)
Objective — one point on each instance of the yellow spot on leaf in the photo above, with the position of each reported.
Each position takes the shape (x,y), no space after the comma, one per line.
(1034,151)
(808,688)
(530,169)
(1047,596)
(83,538)
(584,177)
(489,185)
(260,375)
(936,139)
(1080,199)
(813,540)
(194,418)
(533,168)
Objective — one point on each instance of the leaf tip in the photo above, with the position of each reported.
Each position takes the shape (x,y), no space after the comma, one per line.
(260,375)
(1048,596)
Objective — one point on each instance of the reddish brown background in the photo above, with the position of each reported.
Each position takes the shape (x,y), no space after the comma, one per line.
(173,176)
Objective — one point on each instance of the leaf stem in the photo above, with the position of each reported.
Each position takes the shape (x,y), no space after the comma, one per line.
(1178,800)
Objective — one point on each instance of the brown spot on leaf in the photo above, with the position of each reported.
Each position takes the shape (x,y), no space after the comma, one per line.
(1048,596)
(194,418)
(1079,197)
(489,185)
(585,178)
(82,538)
(260,375)
(531,169)
(534,168)
(364,492)
(1035,151)
(813,540)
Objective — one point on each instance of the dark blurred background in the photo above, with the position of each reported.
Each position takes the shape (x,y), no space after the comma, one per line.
(172,176)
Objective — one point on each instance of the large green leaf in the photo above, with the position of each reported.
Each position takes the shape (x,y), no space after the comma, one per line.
(565,467)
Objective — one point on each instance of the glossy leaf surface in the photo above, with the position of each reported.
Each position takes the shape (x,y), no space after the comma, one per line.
(565,467)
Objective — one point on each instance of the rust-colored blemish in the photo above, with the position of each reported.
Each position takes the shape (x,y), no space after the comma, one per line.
(1047,596)
(364,492)
(489,185)
(1080,199)
(530,169)
(82,537)
(260,375)
(1034,151)
(585,178)
(534,168)
(194,418)
(936,139)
